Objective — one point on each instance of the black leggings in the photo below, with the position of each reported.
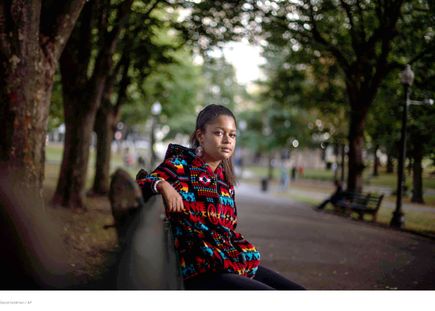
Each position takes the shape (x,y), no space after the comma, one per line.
(264,279)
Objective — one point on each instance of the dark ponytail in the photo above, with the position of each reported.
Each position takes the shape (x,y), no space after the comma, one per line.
(207,116)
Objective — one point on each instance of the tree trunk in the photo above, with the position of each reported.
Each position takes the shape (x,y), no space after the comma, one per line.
(342,165)
(269,166)
(409,166)
(105,123)
(417,177)
(82,97)
(28,60)
(78,129)
(336,153)
(390,164)
(376,161)
(24,105)
(356,144)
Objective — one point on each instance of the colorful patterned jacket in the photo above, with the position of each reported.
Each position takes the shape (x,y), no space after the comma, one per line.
(204,234)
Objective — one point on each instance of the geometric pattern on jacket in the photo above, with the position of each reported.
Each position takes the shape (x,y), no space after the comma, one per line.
(204,233)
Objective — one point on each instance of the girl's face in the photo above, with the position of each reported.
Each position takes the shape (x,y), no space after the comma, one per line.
(219,138)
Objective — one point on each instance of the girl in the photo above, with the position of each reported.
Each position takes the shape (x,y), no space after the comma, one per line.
(198,187)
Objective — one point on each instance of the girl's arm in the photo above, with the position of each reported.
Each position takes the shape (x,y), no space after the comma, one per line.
(163,180)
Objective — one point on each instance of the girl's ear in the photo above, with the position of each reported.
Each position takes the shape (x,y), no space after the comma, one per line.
(199,136)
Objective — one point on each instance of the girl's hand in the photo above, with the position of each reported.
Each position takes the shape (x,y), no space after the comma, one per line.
(173,199)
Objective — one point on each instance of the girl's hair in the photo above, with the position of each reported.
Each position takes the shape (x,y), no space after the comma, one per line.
(207,116)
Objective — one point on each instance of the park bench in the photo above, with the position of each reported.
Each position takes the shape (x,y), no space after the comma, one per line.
(359,203)
(147,257)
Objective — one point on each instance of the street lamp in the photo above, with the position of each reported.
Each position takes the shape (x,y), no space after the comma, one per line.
(156,108)
(406,78)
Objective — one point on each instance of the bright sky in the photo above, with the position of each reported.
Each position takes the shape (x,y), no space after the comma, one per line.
(246,59)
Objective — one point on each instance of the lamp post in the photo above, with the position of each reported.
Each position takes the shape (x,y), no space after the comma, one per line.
(406,78)
(156,108)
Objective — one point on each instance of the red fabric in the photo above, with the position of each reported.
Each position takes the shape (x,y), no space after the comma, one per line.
(205,239)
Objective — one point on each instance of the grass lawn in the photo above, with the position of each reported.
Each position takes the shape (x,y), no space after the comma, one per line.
(53,155)
(383,180)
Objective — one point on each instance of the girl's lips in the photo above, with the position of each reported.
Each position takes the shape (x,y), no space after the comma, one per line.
(226,149)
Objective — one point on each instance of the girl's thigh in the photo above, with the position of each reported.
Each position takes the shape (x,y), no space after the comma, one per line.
(224,281)
(275,280)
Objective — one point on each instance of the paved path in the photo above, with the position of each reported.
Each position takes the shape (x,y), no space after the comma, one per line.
(325,251)
(322,195)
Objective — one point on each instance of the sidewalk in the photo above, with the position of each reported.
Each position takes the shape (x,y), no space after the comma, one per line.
(324,251)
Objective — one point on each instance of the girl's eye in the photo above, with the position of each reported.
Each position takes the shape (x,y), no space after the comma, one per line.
(219,133)
(233,135)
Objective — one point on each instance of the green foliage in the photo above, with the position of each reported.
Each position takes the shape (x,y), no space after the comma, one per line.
(182,88)
(220,87)
(312,85)
(384,119)
(176,86)
(323,55)
(56,107)
(210,24)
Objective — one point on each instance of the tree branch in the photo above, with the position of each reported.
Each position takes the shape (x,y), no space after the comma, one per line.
(387,24)
(378,9)
(123,84)
(382,66)
(429,48)
(62,27)
(356,41)
(19,29)
(4,40)
(329,46)
(121,19)
(103,61)
(361,18)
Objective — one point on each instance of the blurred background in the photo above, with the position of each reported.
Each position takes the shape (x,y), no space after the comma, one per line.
(316,87)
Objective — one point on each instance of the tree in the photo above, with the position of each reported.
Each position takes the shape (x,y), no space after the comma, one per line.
(221,86)
(32,38)
(362,37)
(383,120)
(421,141)
(307,97)
(84,69)
(142,51)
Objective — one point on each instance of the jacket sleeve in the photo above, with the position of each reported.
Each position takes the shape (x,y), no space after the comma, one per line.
(167,170)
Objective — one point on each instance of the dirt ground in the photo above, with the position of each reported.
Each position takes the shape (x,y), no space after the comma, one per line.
(88,238)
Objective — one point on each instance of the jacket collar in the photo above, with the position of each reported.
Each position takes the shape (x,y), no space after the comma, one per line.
(190,155)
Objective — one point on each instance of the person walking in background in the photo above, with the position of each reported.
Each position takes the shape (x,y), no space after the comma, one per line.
(197,185)
(128,157)
(285,176)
